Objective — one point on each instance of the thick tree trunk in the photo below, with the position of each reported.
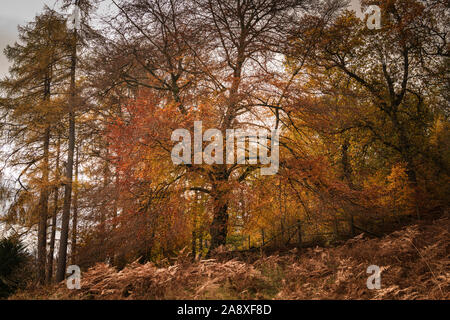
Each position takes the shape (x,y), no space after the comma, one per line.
(405,149)
(219,225)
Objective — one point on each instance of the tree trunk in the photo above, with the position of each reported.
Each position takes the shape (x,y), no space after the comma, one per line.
(219,225)
(200,243)
(75,214)
(194,245)
(43,210)
(106,200)
(61,269)
(54,218)
(406,150)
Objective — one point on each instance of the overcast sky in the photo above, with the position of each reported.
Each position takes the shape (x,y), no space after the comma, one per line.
(13,13)
(19,12)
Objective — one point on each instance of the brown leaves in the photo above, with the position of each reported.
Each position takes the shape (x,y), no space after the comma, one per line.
(414,264)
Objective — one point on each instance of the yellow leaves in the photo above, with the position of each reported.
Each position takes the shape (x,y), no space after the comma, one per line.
(399,194)
(398,176)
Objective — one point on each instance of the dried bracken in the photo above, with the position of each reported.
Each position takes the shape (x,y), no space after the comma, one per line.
(414,264)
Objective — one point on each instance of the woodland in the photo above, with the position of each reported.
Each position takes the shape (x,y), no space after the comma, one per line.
(96,88)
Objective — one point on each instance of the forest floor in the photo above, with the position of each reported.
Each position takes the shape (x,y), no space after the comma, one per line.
(414,264)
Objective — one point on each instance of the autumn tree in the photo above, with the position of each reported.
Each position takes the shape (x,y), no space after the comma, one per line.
(37,74)
(224,70)
(371,94)
(388,70)
(79,18)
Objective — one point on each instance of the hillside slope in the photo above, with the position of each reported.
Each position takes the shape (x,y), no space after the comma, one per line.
(414,261)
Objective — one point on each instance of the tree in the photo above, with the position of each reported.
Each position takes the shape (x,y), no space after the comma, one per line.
(224,69)
(38,68)
(80,6)
(386,70)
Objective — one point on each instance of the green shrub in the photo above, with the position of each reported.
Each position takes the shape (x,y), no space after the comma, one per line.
(12,256)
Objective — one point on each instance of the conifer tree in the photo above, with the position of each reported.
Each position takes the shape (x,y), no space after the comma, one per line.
(38,67)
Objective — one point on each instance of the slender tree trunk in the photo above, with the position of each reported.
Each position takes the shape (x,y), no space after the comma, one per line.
(115,214)
(54,218)
(200,243)
(116,199)
(75,213)
(43,210)
(194,245)
(107,197)
(61,269)
(43,200)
